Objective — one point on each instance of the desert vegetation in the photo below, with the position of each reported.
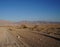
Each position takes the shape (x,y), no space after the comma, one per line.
(44,28)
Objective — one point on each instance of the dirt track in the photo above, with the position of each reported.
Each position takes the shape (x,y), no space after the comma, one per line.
(22,38)
(7,40)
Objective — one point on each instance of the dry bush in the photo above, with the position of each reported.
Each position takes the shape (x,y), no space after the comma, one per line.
(22,27)
(10,29)
(53,30)
(33,28)
(50,30)
(40,28)
(57,32)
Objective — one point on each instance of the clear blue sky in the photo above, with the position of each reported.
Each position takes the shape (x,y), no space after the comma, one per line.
(32,10)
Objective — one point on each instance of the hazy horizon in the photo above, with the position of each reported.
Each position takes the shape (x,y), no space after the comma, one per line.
(30,10)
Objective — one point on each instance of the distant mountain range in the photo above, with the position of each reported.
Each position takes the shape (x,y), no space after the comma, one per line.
(4,22)
(36,22)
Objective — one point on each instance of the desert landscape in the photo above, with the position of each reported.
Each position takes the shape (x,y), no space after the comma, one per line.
(29,34)
(29,23)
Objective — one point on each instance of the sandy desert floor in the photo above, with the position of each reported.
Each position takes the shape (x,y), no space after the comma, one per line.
(26,38)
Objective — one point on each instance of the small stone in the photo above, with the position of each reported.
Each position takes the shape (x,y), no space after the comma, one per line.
(18,36)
